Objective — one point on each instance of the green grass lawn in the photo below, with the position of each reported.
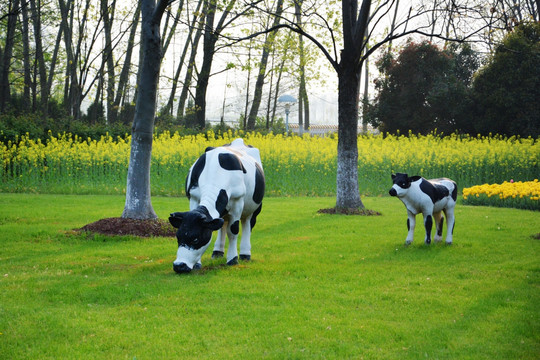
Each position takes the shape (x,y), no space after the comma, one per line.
(318,287)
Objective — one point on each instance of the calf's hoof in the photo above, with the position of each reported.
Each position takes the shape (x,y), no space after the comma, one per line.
(245,257)
(233,261)
(217,254)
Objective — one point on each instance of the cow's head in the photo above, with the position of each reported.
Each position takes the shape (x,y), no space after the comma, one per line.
(402,183)
(194,234)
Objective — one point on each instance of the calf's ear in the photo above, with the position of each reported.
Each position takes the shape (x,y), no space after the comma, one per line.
(176,219)
(393,176)
(213,224)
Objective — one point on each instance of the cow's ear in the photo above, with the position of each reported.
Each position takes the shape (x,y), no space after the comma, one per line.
(213,224)
(393,176)
(176,219)
(414,178)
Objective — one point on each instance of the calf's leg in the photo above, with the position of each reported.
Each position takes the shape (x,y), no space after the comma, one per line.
(439,220)
(428,223)
(411,223)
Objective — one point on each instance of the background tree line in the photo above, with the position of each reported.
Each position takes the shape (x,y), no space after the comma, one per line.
(67,64)
(73,65)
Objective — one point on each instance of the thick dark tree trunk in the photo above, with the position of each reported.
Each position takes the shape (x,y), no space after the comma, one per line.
(138,198)
(347,191)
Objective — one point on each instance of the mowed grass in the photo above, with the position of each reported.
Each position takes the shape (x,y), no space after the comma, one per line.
(318,287)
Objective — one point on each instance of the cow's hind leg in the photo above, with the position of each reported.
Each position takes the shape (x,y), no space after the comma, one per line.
(439,220)
(450,222)
(247,226)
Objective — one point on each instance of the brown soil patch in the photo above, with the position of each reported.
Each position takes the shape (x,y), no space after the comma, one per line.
(350,211)
(121,226)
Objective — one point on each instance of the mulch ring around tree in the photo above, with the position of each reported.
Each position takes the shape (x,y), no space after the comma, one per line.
(160,227)
(121,226)
(349,211)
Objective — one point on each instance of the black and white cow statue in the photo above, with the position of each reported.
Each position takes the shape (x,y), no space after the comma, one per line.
(225,187)
(429,197)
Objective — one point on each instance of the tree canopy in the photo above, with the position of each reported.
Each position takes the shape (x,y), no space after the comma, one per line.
(506,91)
(423,88)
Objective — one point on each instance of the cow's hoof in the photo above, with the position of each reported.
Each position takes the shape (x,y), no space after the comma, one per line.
(197,266)
(217,254)
(181,268)
(448,243)
(428,242)
(233,261)
(245,257)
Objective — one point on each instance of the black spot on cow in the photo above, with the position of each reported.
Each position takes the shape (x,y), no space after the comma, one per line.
(230,162)
(454,192)
(254,217)
(235,227)
(435,191)
(196,173)
(258,193)
(221,202)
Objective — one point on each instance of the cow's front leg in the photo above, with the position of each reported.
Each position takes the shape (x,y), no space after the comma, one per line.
(219,246)
(450,222)
(439,220)
(411,223)
(232,233)
(245,241)
(428,223)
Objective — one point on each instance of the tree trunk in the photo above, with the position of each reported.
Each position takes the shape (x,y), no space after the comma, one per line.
(138,197)
(5,92)
(348,195)
(124,74)
(269,42)
(189,74)
(209,46)
(209,43)
(303,101)
(169,106)
(108,54)
(26,56)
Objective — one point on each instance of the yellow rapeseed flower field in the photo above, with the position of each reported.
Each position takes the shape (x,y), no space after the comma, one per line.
(521,194)
(294,165)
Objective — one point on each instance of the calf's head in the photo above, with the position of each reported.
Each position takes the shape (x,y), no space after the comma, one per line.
(402,183)
(194,234)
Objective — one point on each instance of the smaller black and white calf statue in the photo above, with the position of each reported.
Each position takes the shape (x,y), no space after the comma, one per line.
(429,197)
(225,187)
